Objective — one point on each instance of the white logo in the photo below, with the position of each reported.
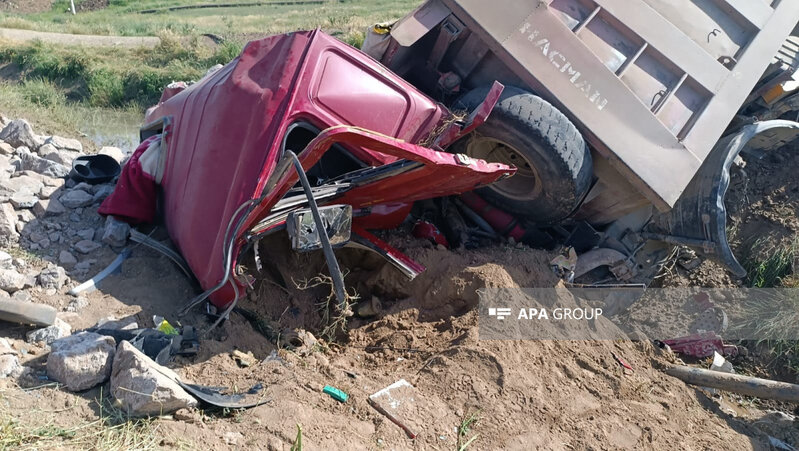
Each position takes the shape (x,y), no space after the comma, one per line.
(500,313)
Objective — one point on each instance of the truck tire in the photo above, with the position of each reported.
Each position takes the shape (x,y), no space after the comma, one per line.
(554,164)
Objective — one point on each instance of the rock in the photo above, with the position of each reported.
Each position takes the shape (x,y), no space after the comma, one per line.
(77,304)
(66,259)
(112,323)
(6,261)
(8,222)
(86,246)
(11,280)
(81,361)
(84,265)
(21,296)
(65,143)
(23,200)
(5,347)
(20,133)
(63,157)
(49,334)
(116,232)
(53,277)
(49,191)
(6,148)
(113,152)
(35,163)
(103,192)
(76,198)
(9,364)
(143,387)
(48,207)
(46,180)
(46,148)
(86,234)
(22,184)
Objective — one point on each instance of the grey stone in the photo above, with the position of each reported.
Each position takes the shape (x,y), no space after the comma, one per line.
(22,184)
(49,334)
(86,234)
(116,232)
(65,143)
(20,133)
(81,361)
(23,200)
(48,207)
(76,198)
(55,237)
(49,191)
(45,243)
(5,347)
(21,296)
(53,277)
(6,261)
(9,364)
(25,216)
(46,148)
(77,304)
(84,265)
(86,246)
(113,152)
(103,192)
(8,222)
(11,280)
(143,387)
(6,148)
(66,259)
(63,157)
(112,323)
(46,180)
(83,186)
(35,163)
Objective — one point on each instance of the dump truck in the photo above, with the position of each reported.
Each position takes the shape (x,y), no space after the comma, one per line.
(623,117)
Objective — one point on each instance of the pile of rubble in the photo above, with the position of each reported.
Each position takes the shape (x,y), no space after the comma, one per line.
(49,229)
(44,212)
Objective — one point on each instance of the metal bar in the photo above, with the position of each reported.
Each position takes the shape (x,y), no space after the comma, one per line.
(588,19)
(755,12)
(669,40)
(631,60)
(656,109)
(327,248)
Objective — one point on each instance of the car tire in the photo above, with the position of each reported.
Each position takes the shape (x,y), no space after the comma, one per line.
(555,167)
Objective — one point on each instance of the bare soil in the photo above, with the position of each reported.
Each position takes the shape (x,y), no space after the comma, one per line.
(26,6)
(542,394)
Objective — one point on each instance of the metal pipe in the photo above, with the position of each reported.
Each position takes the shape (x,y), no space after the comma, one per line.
(327,248)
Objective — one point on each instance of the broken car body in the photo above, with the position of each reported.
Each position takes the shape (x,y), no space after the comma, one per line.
(227,178)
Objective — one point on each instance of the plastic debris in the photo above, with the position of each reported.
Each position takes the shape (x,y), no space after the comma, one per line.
(335,393)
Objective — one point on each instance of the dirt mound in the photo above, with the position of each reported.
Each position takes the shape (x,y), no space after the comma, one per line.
(25,6)
(763,221)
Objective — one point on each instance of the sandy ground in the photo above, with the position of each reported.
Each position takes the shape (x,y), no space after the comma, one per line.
(79,39)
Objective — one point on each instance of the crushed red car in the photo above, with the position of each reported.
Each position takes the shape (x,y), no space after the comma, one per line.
(225,164)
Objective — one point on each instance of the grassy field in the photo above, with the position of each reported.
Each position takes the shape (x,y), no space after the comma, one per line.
(62,88)
(122,17)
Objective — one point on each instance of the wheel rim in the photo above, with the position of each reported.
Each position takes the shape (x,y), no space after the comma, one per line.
(524,185)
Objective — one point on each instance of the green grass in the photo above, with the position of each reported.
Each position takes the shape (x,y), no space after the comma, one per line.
(113,430)
(59,86)
(346,18)
(769,265)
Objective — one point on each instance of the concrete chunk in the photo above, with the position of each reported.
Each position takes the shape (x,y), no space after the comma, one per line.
(144,387)
(81,361)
